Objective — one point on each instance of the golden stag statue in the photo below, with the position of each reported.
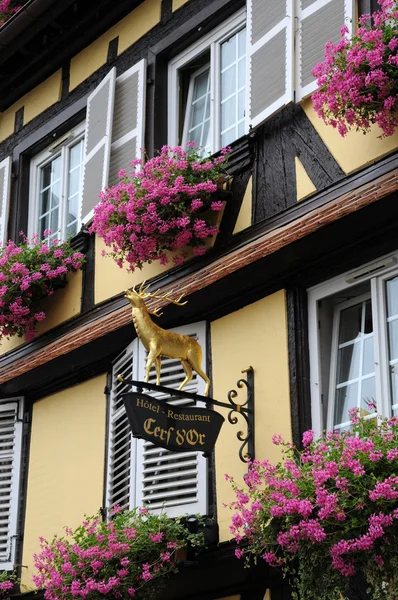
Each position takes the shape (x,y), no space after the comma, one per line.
(159,342)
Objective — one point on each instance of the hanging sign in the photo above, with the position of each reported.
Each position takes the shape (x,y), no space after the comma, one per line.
(172,427)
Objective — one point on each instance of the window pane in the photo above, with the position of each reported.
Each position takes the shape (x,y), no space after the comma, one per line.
(75,155)
(44,224)
(44,202)
(200,88)
(242,43)
(228,114)
(55,194)
(228,82)
(56,169)
(350,323)
(54,221)
(392,297)
(368,357)
(74,182)
(45,178)
(348,363)
(368,396)
(232,83)
(394,387)
(198,111)
(228,52)
(393,339)
(346,398)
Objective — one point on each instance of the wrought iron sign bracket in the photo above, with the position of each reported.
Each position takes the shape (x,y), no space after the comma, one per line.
(245,409)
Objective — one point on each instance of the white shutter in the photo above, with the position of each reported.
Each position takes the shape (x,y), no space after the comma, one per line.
(5,188)
(270,34)
(121,448)
(175,483)
(11,414)
(319,21)
(97,144)
(128,120)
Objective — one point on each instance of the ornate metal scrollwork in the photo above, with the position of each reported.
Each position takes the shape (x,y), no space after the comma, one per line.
(246,410)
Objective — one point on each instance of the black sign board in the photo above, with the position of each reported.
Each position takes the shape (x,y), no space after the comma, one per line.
(172,427)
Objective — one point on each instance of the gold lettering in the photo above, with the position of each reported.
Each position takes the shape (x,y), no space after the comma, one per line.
(170,414)
(147,426)
(140,402)
(170,429)
(180,436)
(192,437)
(202,439)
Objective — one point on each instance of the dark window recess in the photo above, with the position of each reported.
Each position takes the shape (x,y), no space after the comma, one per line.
(65,80)
(366,7)
(19,116)
(112,50)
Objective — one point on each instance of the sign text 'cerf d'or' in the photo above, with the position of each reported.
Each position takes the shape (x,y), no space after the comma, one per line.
(172,427)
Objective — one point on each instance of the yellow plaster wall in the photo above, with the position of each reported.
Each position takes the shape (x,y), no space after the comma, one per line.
(110,280)
(66,465)
(255,335)
(178,3)
(34,102)
(244,219)
(355,150)
(304,185)
(130,29)
(63,304)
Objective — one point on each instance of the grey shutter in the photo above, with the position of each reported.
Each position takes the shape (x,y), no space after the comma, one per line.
(319,21)
(97,143)
(128,120)
(121,455)
(10,463)
(5,189)
(270,34)
(167,481)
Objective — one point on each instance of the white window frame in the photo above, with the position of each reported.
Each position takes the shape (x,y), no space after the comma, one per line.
(8,565)
(376,273)
(58,148)
(212,41)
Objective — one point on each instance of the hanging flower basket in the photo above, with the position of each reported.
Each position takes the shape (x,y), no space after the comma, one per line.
(30,272)
(162,207)
(327,515)
(129,556)
(358,80)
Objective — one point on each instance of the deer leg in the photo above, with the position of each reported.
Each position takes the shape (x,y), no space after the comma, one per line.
(158,364)
(188,372)
(152,356)
(195,363)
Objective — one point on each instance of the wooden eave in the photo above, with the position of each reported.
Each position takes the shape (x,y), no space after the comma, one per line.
(33,45)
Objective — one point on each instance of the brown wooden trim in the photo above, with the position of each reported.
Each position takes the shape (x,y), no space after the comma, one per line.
(299,367)
(218,269)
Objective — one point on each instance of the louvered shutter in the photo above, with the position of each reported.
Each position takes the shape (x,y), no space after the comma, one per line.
(168,481)
(121,449)
(97,144)
(10,463)
(319,21)
(5,188)
(128,120)
(270,27)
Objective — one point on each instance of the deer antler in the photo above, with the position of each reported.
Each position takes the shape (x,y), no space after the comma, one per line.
(167,297)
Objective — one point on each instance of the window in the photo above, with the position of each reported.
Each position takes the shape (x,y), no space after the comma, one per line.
(138,472)
(11,414)
(353,324)
(56,183)
(207,85)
